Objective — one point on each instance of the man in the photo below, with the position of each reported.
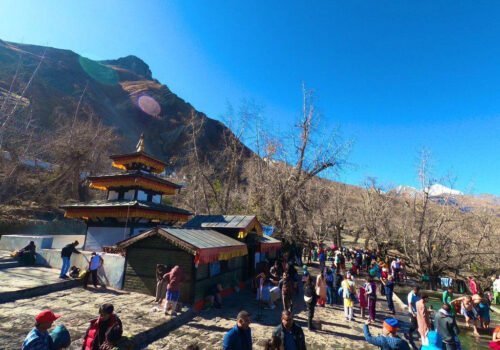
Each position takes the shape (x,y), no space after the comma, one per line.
(423,319)
(105,330)
(66,255)
(286,286)
(276,271)
(96,261)
(290,333)
(395,269)
(389,292)
(39,338)
(446,326)
(496,291)
(413,297)
(448,297)
(240,336)
(389,339)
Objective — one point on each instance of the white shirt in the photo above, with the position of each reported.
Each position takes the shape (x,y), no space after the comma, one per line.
(496,285)
(95,262)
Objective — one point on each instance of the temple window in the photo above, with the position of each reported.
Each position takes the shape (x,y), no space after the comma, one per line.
(142,196)
(129,195)
(113,195)
(157,198)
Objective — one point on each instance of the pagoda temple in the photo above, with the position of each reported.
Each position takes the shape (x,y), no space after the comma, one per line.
(133,201)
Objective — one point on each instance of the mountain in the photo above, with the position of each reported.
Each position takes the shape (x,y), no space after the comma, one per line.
(121,92)
(435,190)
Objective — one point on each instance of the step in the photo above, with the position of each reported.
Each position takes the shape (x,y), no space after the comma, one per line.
(38,290)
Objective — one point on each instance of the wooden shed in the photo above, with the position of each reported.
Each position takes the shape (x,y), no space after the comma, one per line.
(206,258)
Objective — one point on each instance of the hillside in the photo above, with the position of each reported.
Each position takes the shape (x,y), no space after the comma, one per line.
(121,92)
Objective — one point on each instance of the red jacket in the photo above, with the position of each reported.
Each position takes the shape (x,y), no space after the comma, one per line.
(91,339)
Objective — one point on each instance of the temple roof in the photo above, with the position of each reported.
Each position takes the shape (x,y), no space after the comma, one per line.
(133,179)
(126,203)
(123,161)
(239,223)
(208,245)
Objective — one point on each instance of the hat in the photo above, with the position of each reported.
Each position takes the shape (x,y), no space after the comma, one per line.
(46,316)
(391,324)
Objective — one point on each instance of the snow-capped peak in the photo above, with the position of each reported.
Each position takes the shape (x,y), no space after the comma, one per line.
(439,190)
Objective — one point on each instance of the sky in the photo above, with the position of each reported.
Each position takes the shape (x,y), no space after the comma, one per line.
(393,76)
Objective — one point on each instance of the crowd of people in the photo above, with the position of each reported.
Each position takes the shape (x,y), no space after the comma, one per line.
(335,284)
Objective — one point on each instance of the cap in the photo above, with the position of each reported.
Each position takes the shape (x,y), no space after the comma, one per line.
(391,324)
(46,316)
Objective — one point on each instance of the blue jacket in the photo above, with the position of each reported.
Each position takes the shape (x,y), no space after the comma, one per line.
(36,340)
(237,339)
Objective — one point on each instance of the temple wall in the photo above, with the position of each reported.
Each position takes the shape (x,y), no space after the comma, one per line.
(111,273)
(16,242)
(97,237)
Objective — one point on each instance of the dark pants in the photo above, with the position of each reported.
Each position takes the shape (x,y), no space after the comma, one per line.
(287,302)
(390,302)
(92,273)
(452,346)
(396,275)
(336,299)
(372,302)
(310,313)
(413,324)
(330,295)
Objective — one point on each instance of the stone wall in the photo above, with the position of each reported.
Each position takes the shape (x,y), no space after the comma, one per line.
(111,273)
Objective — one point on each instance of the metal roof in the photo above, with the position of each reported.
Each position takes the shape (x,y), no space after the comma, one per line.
(221,221)
(122,203)
(198,239)
(135,174)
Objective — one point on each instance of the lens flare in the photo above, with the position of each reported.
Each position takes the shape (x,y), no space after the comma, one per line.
(99,72)
(149,105)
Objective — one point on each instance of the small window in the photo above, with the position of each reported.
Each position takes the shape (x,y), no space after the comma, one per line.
(214,268)
(157,198)
(129,195)
(112,196)
(142,196)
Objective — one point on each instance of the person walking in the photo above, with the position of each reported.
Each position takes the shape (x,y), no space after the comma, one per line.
(389,293)
(310,297)
(240,336)
(363,301)
(413,297)
(290,334)
(39,338)
(329,286)
(104,331)
(66,255)
(321,289)
(348,293)
(423,319)
(286,286)
(389,339)
(96,261)
(174,278)
(371,294)
(446,326)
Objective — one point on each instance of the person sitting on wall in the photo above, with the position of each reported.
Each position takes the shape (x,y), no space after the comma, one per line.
(27,255)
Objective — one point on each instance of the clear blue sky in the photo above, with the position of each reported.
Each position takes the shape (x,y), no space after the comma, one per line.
(395,75)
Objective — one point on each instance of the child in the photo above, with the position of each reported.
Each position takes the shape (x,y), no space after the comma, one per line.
(363,301)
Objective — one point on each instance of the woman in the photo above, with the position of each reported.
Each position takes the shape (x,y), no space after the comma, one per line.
(348,293)
(494,344)
(423,319)
(173,290)
(371,293)
(363,301)
(321,289)
(310,297)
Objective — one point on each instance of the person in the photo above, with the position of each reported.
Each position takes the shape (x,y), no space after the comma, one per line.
(348,293)
(161,283)
(276,271)
(174,278)
(472,285)
(363,301)
(469,312)
(66,255)
(389,339)
(389,293)
(447,298)
(337,282)
(371,294)
(329,286)
(240,336)
(446,326)
(395,269)
(27,255)
(310,297)
(483,310)
(434,341)
(286,286)
(213,296)
(39,338)
(413,297)
(423,319)
(290,334)
(103,331)
(494,344)
(496,291)
(96,261)
(322,260)
(321,289)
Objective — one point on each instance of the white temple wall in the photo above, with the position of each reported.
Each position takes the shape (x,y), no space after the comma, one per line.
(98,237)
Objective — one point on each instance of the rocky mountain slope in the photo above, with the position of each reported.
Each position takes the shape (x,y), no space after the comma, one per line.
(121,92)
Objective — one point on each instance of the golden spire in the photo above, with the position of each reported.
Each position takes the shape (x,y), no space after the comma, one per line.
(140,144)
